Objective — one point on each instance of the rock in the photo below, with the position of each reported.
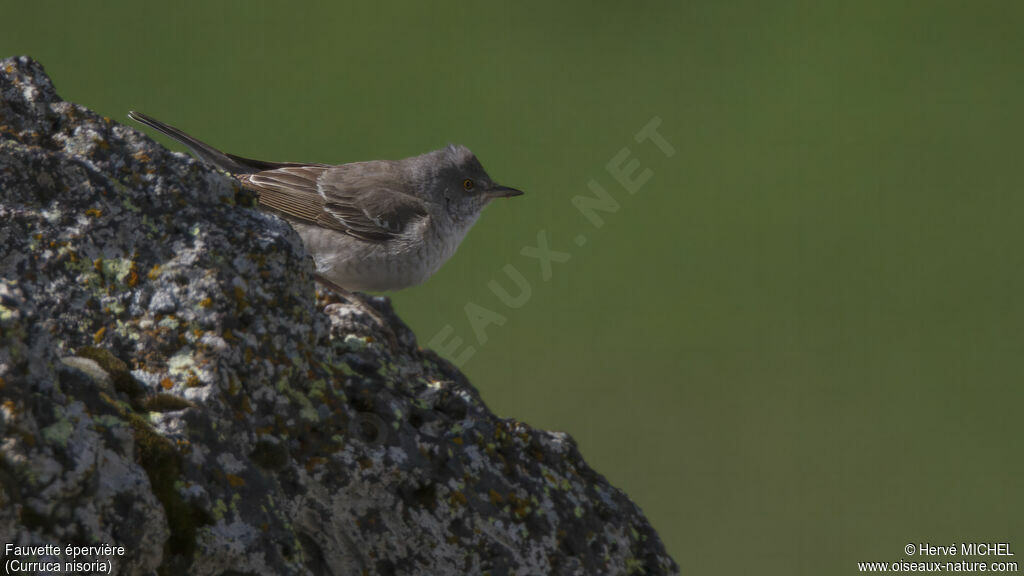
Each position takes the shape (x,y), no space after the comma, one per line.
(170,384)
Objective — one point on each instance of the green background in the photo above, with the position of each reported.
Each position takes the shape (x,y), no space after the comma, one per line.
(797,347)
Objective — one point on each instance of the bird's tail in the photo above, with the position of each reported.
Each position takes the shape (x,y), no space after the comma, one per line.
(205,152)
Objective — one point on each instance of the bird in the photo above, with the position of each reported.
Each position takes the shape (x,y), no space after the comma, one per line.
(379,225)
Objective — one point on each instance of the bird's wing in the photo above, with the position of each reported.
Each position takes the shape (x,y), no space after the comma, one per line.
(358,199)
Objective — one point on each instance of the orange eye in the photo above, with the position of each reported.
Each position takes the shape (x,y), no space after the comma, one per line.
(467,184)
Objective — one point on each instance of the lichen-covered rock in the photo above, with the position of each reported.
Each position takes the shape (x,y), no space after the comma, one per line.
(170,383)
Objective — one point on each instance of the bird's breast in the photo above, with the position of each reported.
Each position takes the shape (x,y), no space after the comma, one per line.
(397,263)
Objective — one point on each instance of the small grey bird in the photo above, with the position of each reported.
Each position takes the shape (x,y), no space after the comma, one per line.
(377,225)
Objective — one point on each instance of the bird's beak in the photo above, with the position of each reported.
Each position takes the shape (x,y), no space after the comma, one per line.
(503,192)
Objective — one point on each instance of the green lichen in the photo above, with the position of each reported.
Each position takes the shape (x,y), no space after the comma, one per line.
(181,362)
(117,269)
(150,227)
(356,343)
(318,388)
(169,322)
(125,200)
(108,421)
(344,368)
(634,566)
(219,509)
(58,433)
(306,411)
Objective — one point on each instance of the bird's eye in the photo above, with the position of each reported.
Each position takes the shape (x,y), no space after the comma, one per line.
(467,184)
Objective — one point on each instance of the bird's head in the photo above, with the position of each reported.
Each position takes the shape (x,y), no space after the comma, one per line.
(461,184)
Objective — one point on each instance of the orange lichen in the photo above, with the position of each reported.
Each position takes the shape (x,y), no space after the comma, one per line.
(457,498)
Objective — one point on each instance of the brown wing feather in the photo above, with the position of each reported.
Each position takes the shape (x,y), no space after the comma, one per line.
(342,198)
(291,191)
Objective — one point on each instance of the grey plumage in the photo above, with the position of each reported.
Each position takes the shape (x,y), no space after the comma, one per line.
(377,225)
